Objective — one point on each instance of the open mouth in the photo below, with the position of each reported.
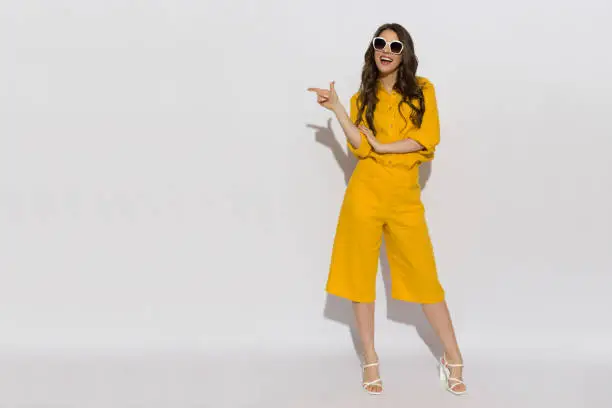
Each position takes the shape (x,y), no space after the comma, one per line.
(386,60)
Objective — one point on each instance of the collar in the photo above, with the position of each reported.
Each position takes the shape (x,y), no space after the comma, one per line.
(382,92)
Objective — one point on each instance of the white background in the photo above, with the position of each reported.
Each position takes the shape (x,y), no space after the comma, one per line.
(167,182)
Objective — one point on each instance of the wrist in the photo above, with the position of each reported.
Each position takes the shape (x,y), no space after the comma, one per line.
(337,109)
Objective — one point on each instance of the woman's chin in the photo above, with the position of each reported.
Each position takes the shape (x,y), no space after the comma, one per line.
(386,69)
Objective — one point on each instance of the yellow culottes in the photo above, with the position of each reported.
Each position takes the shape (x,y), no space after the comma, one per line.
(383,200)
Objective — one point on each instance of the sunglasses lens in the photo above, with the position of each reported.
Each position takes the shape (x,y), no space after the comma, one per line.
(396,47)
(379,44)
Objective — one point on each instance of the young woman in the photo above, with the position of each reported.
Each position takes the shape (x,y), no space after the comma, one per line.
(392,128)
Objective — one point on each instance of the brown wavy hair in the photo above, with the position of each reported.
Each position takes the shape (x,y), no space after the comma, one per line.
(406,83)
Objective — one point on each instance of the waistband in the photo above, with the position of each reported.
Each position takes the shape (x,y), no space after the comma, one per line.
(376,169)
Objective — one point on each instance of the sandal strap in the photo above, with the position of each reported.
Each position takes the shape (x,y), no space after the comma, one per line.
(456,383)
(367,384)
(456,392)
(369,365)
(445,362)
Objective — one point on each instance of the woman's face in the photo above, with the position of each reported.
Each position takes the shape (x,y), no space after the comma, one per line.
(386,61)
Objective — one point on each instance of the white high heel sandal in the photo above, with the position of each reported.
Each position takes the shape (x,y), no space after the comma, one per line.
(377,382)
(445,376)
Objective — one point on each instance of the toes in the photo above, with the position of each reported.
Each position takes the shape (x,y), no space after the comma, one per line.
(458,387)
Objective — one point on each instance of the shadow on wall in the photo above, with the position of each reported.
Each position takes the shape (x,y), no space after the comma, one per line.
(340,310)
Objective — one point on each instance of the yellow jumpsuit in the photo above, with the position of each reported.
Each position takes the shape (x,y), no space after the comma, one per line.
(383,197)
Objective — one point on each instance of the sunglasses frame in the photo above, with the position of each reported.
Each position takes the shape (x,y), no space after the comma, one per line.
(388,43)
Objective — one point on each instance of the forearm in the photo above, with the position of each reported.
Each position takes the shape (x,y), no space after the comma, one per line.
(351,131)
(401,146)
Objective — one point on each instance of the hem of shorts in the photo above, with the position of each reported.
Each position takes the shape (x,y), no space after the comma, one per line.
(344,295)
(416,299)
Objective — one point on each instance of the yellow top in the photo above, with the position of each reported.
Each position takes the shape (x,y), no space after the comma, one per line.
(390,126)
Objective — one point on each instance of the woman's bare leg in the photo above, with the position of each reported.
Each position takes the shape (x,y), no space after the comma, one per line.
(439,318)
(364,317)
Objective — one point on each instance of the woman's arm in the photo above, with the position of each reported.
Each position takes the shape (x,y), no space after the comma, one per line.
(357,141)
(351,131)
(401,146)
(329,100)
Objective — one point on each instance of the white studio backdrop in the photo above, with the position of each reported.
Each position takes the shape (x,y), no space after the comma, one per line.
(166,181)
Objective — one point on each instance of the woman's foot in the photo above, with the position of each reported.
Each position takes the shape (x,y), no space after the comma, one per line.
(454,379)
(371,376)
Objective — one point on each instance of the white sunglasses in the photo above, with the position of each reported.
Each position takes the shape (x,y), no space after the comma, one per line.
(395,46)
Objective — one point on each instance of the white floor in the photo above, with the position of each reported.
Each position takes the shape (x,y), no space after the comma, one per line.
(317,380)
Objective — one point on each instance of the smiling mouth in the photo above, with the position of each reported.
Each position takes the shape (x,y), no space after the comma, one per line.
(386,60)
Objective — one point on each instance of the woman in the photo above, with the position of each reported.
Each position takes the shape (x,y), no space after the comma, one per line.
(392,128)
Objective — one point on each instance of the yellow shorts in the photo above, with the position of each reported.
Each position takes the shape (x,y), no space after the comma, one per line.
(383,199)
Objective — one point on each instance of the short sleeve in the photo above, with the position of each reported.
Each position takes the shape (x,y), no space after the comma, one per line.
(364,148)
(428,135)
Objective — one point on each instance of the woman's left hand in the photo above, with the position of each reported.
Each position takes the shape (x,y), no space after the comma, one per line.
(376,145)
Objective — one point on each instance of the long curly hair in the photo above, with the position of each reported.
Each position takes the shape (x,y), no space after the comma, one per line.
(406,83)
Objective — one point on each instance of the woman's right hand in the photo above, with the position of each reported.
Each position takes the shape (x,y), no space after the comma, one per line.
(328,98)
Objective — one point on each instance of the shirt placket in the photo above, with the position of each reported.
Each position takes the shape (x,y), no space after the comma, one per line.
(392,116)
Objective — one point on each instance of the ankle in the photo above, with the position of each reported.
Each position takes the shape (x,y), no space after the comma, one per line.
(370,355)
(453,358)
